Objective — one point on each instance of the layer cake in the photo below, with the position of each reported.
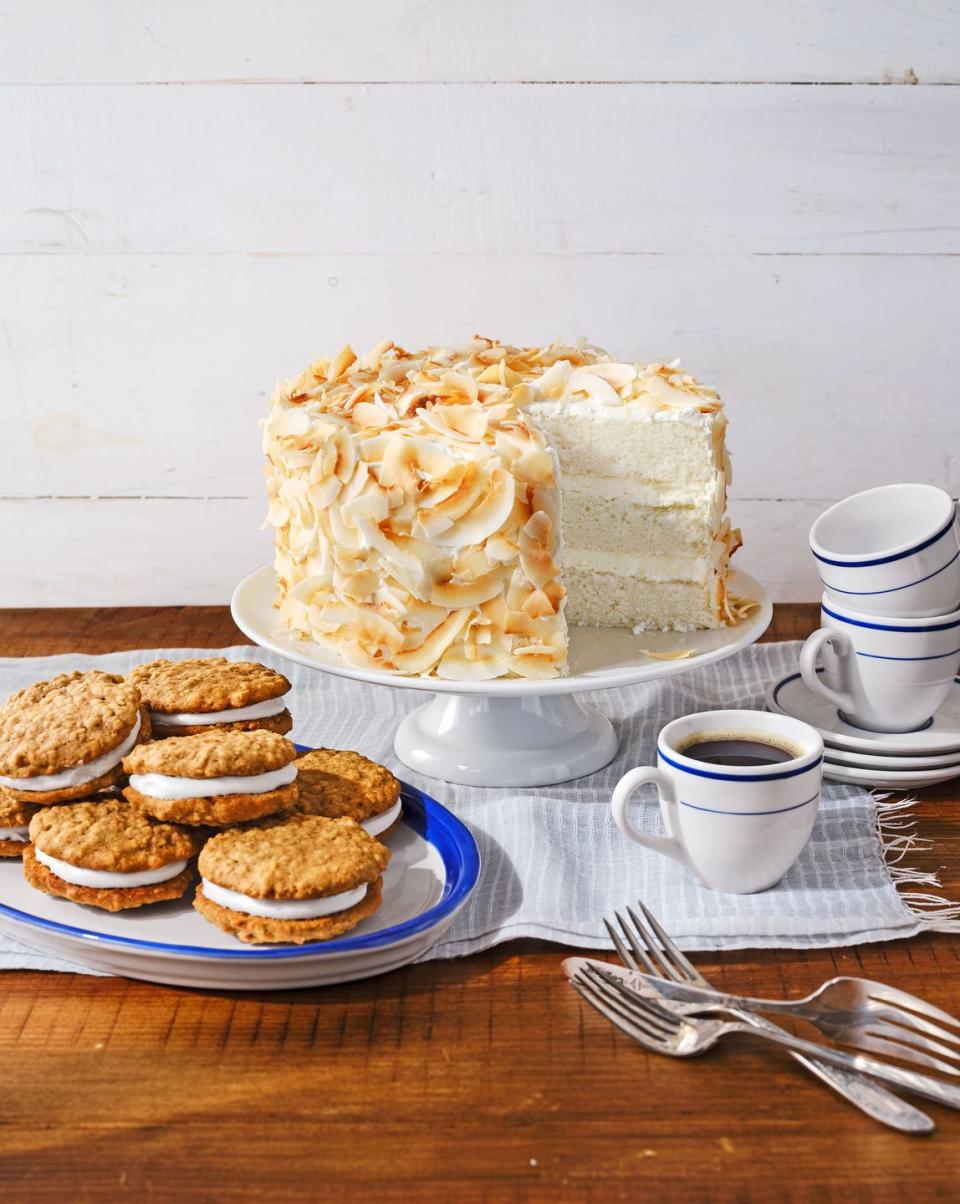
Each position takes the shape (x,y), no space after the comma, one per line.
(447,512)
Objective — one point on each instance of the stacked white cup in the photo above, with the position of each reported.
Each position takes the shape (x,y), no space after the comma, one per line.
(888,648)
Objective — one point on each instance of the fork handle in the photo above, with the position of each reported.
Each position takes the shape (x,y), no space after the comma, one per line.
(876,1101)
(689,992)
(909,1080)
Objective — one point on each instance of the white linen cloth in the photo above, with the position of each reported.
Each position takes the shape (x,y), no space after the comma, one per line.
(553,861)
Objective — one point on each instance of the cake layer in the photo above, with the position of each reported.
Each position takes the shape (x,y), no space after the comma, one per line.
(597,516)
(598,599)
(670,450)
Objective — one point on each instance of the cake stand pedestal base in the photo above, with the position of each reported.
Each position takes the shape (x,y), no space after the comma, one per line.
(483,740)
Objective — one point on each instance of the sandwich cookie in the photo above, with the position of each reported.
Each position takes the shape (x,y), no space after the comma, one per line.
(188,697)
(14,824)
(304,878)
(65,738)
(335,782)
(107,854)
(213,778)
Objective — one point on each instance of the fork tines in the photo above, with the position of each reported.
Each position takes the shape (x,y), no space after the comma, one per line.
(656,1021)
(649,947)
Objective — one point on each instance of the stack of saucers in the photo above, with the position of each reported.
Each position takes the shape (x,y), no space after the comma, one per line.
(879,679)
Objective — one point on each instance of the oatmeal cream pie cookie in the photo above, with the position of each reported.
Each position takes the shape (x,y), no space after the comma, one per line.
(335,782)
(187,697)
(304,878)
(14,824)
(214,778)
(65,738)
(107,854)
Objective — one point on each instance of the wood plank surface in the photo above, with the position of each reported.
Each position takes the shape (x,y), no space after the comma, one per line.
(429,168)
(202,195)
(866,356)
(180,444)
(481,1079)
(240,41)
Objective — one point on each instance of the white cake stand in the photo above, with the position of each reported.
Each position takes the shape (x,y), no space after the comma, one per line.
(510,731)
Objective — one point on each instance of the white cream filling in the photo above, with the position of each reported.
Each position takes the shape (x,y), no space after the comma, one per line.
(165,786)
(379,823)
(283,909)
(256,710)
(696,497)
(79,774)
(21,834)
(79,875)
(647,568)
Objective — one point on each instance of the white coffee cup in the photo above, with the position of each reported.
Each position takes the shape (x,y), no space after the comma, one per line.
(883,674)
(892,551)
(739,828)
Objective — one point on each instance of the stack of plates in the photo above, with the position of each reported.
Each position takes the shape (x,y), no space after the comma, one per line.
(905,761)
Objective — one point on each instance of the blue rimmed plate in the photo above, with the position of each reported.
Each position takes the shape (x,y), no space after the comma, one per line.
(434,867)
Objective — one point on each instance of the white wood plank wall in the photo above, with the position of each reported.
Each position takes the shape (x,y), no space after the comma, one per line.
(197,196)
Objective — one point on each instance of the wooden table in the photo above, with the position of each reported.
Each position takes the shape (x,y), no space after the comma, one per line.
(478,1079)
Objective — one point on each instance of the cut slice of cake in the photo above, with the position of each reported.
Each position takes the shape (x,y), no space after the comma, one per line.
(644,474)
(419,499)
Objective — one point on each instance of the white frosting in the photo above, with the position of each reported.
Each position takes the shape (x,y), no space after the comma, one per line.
(108,879)
(21,834)
(165,786)
(256,710)
(283,909)
(379,823)
(79,774)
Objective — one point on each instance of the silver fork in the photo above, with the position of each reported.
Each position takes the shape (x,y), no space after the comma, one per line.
(659,1028)
(852,1011)
(863,1093)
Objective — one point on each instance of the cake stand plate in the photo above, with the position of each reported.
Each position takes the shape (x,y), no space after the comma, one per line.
(511,731)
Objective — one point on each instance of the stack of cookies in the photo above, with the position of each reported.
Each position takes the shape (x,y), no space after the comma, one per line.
(111,786)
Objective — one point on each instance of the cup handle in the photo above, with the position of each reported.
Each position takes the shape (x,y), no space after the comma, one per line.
(844,651)
(670,845)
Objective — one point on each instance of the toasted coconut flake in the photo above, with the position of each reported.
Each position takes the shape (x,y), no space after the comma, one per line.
(370,415)
(681,654)
(341,363)
(585,380)
(455,594)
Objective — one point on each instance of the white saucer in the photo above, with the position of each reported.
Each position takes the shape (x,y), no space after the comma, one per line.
(910,779)
(434,867)
(855,760)
(790,696)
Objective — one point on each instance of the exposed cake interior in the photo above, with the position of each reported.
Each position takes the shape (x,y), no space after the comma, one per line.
(419,500)
(645,538)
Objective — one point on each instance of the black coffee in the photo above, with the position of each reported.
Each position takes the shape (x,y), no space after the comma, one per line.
(739,750)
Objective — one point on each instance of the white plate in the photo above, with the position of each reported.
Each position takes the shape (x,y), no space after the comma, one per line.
(434,867)
(910,779)
(511,731)
(790,696)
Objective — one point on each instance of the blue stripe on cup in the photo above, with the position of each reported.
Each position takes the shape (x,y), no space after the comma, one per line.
(875,656)
(889,626)
(866,564)
(748,814)
(739,777)
(870,593)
